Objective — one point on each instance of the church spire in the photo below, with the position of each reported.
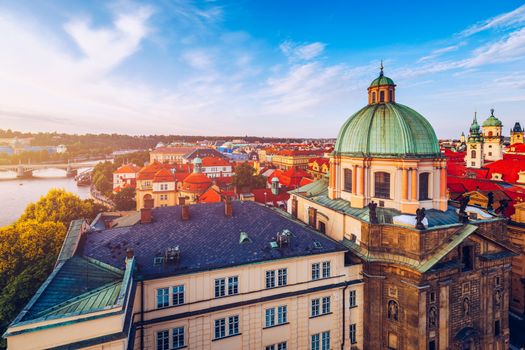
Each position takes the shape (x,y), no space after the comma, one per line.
(381,69)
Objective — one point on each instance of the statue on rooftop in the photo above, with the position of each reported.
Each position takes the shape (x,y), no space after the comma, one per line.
(420,215)
(490,202)
(503,204)
(372,206)
(463,216)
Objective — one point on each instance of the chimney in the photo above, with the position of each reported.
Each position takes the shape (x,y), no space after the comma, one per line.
(129,254)
(145,213)
(185,212)
(228,208)
(182,200)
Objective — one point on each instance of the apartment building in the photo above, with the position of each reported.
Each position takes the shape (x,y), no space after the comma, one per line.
(231,275)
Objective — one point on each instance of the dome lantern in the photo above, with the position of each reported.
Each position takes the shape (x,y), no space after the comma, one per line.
(382,89)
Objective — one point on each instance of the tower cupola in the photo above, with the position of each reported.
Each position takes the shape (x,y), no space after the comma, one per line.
(382,89)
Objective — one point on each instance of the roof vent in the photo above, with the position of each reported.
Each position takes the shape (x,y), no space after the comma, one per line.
(172,255)
(274,245)
(158,260)
(317,245)
(244,238)
(283,238)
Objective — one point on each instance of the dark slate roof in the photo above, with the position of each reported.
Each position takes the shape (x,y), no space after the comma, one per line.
(72,278)
(204,152)
(209,240)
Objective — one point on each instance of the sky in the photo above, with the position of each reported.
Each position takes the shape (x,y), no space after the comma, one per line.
(261,68)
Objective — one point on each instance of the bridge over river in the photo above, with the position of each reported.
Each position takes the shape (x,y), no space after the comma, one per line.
(26,170)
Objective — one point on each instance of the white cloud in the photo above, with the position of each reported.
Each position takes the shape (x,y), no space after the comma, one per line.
(104,48)
(508,49)
(441,51)
(198,59)
(297,51)
(507,19)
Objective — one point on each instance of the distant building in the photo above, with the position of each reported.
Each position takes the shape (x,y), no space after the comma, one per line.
(318,167)
(170,154)
(287,159)
(125,176)
(61,149)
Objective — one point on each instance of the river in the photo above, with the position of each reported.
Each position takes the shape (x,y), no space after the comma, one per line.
(16,194)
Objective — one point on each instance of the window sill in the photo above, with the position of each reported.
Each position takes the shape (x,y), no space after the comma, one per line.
(180,347)
(320,279)
(226,337)
(353,307)
(321,315)
(276,287)
(276,325)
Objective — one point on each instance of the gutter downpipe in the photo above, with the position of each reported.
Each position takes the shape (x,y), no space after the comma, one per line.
(344,318)
(142,315)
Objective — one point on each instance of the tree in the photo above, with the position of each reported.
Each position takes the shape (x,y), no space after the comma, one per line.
(61,206)
(102,177)
(245,179)
(125,199)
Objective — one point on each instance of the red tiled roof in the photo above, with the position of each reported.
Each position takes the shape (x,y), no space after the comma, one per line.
(508,167)
(196,182)
(518,148)
(127,169)
(259,196)
(214,161)
(148,172)
(210,196)
(164,175)
(305,181)
(319,160)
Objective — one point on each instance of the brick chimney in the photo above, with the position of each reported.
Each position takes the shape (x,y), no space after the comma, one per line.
(185,212)
(182,200)
(228,208)
(145,213)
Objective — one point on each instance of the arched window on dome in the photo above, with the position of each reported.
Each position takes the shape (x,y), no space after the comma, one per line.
(473,154)
(374,97)
(490,133)
(390,95)
(382,184)
(381,96)
(423,186)
(348,180)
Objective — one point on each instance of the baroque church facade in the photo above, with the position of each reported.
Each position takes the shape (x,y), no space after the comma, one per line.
(436,273)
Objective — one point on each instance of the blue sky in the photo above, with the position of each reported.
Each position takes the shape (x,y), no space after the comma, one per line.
(266,68)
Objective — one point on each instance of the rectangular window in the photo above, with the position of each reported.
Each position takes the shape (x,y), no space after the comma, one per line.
(282,346)
(325,340)
(326,269)
(178,337)
(348,180)
(282,314)
(269,317)
(282,277)
(233,325)
(220,287)
(316,274)
(233,285)
(163,340)
(353,338)
(315,307)
(497,328)
(326,305)
(382,185)
(269,347)
(178,295)
(315,342)
(220,328)
(353,298)
(432,345)
(270,279)
(163,297)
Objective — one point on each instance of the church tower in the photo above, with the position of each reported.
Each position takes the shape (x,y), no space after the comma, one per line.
(388,153)
(474,157)
(492,138)
(516,134)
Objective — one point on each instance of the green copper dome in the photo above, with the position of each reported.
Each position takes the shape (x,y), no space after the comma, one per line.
(382,80)
(387,130)
(492,120)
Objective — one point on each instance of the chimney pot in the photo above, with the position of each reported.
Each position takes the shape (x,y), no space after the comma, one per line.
(130,253)
(185,212)
(228,208)
(182,200)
